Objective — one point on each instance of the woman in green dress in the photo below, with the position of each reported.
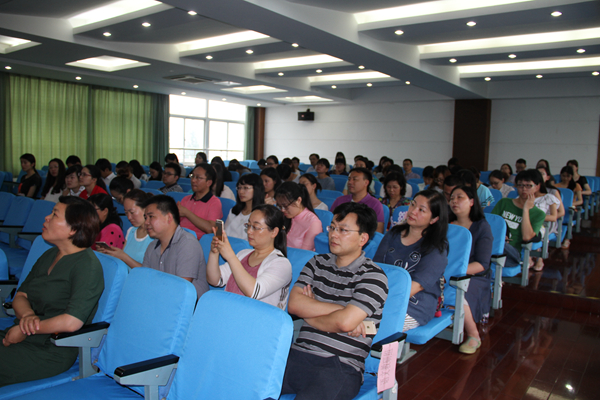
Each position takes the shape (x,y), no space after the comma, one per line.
(60,294)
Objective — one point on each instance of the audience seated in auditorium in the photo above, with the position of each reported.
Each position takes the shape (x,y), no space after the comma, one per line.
(407,164)
(293,199)
(296,166)
(263,273)
(580,179)
(262,163)
(450,182)
(567,181)
(467,212)
(272,161)
(439,174)
(200,210)
(55,181)
(31,182)
(312,186)
(497,181)
(285,173)
(543,163)
(524,220)
(453,165)
(119,187)
(219,188)
(546,202)
(137,239)
(235,166)
(73,160)
(201,158)
(172,158)
(60,294)
(427,177)
(156,171)
(323,177)
(336,295)
(226,174)
(106,172)
(520,165)
(507,169)
(250,194)
(125,170)
(361,162)
(294,175)
(394,186)
(470,178)
(339,167)
(174,250)
(111,232)
(271,182)
(358,185)
(314,157)
(138,170)
(72,175)
(170,178)
(91,179)
(383,162)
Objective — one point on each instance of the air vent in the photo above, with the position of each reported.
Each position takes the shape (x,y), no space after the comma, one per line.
(194,80)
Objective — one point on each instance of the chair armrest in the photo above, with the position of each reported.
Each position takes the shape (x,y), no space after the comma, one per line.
(11,229)
(8,289)
(377,348)
(31,236)
(88,336)
(461,282)
(154,372)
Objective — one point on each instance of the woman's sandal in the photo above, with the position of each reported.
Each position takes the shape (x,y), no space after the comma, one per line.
(539,265)
(467,348)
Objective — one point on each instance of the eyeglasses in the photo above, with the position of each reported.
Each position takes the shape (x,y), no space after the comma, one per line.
(84,174)
(246,188)
(198,178)
(168,174)
(250,227)
(341,231)
(523,186)
(284,206)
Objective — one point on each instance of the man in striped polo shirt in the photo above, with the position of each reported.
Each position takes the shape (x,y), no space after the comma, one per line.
(339,295)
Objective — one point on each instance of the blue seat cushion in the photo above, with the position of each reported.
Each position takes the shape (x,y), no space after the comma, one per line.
(422,334)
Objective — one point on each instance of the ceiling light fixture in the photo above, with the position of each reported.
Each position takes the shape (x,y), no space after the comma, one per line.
(595,73)
(556,14)
(146,24)
(249,51)
(369,84)
(8,67)
(280,74)
(183,93)
(192,12)
(361,67)
(333,87)
(539,76)
(258,104)
(487,79)
(295,45)
(107,34)
(224,99)
(407,82)
(512,56)
(581,51)
(209,57)
(319,71)
(135,86)
(471,23)
(453,60)
(399,32)
(78,78)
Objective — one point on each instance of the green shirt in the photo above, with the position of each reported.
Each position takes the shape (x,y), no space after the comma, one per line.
(513,216)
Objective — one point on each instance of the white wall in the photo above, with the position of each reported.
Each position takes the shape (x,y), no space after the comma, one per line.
(557,129)
(421,131)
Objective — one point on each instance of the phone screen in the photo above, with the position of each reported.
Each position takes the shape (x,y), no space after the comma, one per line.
(102,244)
(219,229)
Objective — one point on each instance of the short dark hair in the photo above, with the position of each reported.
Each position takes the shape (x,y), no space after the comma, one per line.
(258,196)
(409,160)
(313,180)
(211,174)
(452,161)
(366,174)
(138,196)
(73,160)
(295,159)
(175,167)
(521,161)
(103,164)
(314,154)
(29,157)
(468,177)
(274,159)
(165,204)
(291,191)
(120,184)
(95,173)
(171,157)
(476,212)
(325,162)
(83,219)
(203,155)
(261,162)
(395,177)
(453,180)
(574,162)
(498,175)
(105,202)
(428,172)
(366,218)
(529,175)
(284,171)
(74,169)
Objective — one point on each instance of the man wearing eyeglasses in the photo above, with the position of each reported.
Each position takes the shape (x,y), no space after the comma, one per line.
(170,178)
(523,218)
(201,210)
(340,296)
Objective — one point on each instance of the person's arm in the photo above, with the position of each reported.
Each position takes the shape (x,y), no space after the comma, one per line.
(552,217)
(31,191)
(415,287)
(586,189)
(380,227)
(308,241)
(527,232)
(482,245)
(303,304)
(213,272)
(345,320)
(120,254)
(578,199)
(275,273)
(203,224)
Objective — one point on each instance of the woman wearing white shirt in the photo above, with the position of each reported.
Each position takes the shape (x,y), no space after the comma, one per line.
(312,185)
(250,193)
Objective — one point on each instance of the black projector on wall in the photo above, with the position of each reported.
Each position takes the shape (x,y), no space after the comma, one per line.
(306,115)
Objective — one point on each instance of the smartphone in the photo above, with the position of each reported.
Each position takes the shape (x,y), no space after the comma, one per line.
(103,245)
(370,327)
(219,229)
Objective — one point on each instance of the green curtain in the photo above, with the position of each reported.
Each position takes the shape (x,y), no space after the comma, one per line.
(56,119)
(250,116)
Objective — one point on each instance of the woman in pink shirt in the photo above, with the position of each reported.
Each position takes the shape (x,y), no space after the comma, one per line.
(111,232)
(293,199)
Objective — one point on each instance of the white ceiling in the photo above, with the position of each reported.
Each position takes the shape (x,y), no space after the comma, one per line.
(343,29)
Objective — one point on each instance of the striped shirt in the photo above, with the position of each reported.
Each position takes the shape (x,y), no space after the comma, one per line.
(362,284)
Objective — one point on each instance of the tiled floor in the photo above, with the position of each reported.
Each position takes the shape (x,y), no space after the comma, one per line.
(543,344)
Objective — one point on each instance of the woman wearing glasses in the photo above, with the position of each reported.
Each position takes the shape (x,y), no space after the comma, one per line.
(293,199)
(250,193)
(419,246)
(263,273)
(91,179)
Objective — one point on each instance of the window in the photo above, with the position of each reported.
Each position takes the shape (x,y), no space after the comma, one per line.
(222,133)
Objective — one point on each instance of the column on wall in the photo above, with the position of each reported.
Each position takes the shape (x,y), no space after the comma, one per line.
(472,132)
(259,132)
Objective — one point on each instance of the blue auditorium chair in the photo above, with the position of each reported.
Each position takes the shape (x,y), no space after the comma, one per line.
(226,206)
(326,217)
(5,202)
(154,185)
(498,226)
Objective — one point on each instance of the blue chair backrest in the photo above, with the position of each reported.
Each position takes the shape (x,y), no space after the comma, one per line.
(497,194)
(38,248)
(146,325)
(228,362)
(8,177)
(114,166)
(484,176)
(415,188)
(178,196)
(373,244)
(188,171)
(115,272)
(415,180)
(512,195)
(329,201)
(126,223)
(304,166)
(386,217)
(38,194)
(394,309)
(459,240)
(399,214)
(232,186)
(146,169)
(6,200)
(592,183)
(226,206)
(557,178)
(35,220)
(329,193)
(17,214)
(567,199)
(187,181)
(377,187)
(298,258)
(340,181)
(322,243)
(498,225)
(237,245)
(154,185)
(418,170)
(119,207)
(326,217)
(186,187)
(3,266)
(2,176)
(234,176)
(155,192)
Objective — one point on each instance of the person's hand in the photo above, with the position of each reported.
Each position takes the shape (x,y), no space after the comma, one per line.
(111,251)
(529,203)
(183,212)
(223,245)
(270,200)
(214,244)
(307,291)
(360,330)
(30,324)
(13,336)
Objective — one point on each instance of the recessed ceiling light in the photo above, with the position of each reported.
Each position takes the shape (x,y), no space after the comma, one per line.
(8,67)
(280,74)
(581,51)
(407,82)
(258,104)
(249,51)
(78,78)
(146,24)
(369,84)
(183,93)
(333,87)
(295,45)
(556,14)
(487,79)
(471,23)
(209,57)
(319,71)
(107,34)
(512,56)
(452,60)
(224,99)
(539,76)
(595,73)
(361,67)
(399,32)
(192,12)
(135,86)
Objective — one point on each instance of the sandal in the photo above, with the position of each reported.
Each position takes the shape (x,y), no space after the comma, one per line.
(566,244)
(539,265)
(467,348)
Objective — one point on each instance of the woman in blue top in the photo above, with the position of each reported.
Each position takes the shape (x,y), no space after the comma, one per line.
(420,246)
(136,239)
(466,212)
